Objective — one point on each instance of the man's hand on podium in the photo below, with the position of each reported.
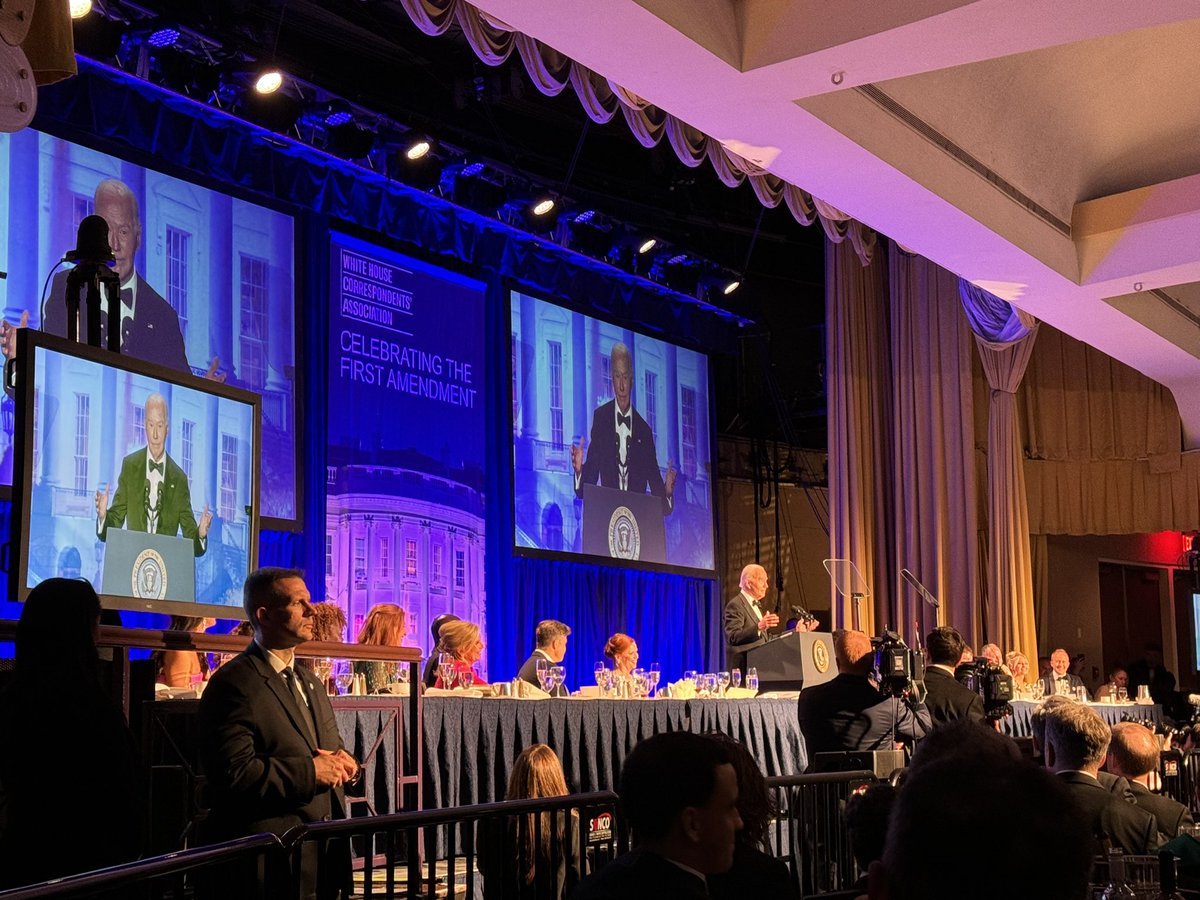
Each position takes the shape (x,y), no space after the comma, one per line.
(770,620)
(206,518)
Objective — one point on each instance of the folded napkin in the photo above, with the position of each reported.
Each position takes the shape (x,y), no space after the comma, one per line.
(684,689)
(395,689)
(739,693)
(442,692)
(531,691)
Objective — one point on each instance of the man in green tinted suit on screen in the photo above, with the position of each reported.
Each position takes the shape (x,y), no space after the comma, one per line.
(152,490)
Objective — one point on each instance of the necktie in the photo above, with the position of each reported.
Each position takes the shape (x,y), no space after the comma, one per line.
(627,420)
(293,681)
(156,467)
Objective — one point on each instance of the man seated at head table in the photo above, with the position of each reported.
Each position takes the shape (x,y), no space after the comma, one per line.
(1060,679)
(849,713)
(551,639)
(679,793)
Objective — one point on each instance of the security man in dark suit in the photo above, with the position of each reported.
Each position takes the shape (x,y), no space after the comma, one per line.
(269,744)
(1134,755)
(946,698)
(1076,743)
(849,713)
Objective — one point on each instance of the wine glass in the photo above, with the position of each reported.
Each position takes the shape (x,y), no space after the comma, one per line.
(639,682)
(446,670)
(710,684)
(601,669)
(654,676)
(752,679)
(698,681)
(735,678)
(323,667)
(343,675)
(558,677)
(723,682)
(1122,695)
(542,667)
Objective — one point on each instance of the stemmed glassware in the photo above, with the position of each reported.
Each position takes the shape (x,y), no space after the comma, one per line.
(723,682)
(323,668)
(343,675)
(543,674)
(752,679)
(653,676)
(446,670)
(558,676)
(735,678)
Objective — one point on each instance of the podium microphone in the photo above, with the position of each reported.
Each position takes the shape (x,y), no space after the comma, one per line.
(91,243)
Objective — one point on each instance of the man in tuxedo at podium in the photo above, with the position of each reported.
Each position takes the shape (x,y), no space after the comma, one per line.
(622,453)
(149,325)
(747,625)
(152,490)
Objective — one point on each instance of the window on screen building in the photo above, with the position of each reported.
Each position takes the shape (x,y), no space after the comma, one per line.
(139,426)
(460,569)
(82,206)
(252,340)
(554,354)
(187,447)
(227,503)
(437,563)
(385,560)
(178,245)
(410,558)
(688,419)
(360,561)
(329,554)
(651,402)
(83,419)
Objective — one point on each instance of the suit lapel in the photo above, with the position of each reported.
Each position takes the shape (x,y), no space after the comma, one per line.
(135,507)
(276,685)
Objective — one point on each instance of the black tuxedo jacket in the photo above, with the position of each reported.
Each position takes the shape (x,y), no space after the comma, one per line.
(1114,822)
(1074,680)
(604,449)
(948,700)
(1169,814)
(528,673)
(128,506)
(741,632)
(641,875)
(154,334)
(848,713)
(256,751)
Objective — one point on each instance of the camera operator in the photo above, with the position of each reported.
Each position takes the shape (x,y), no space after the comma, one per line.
(946,698)
(850,713)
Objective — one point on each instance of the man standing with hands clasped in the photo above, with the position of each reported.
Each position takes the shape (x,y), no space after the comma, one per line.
(269,743)
(746,625)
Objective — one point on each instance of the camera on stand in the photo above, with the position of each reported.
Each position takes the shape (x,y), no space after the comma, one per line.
(991,683)
(899,669)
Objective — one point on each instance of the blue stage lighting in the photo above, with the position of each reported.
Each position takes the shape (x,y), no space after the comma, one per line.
(163,37)
(472,169)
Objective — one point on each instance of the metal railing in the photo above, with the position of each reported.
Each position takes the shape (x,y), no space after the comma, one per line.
(810,834)
(256,865)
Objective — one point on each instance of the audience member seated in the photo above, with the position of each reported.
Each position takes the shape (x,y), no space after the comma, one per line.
(849,713)
(1061,679)
(551,638)
(461,641)
(946,699)
(71,787)
(386,625)
(1018,667)
(1133,754)
(1114,784)
(429,677)
(513,861)
(755,873)
(328,624)
(679,794)
(868,811)
(1117,678)
(973,820)
(1076,744)
(183,668)
(622,651)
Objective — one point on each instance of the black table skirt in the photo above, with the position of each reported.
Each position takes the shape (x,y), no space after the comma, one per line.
(1019,723)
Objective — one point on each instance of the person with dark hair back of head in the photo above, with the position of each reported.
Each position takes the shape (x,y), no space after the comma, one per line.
(430,675)
(1133,754)
(1033,844)
(868,811)
(679,794)
(269,743)
(1076,744)
(58,719)
(849,713)
(755,873)
(551,639)
(946,698)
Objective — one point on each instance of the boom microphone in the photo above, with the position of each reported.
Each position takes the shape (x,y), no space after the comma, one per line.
(91,243)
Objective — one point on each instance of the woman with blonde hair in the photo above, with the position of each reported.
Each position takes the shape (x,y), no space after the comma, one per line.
(535,846)
(1018,667)
(623,651)
(386,625)
(462,646)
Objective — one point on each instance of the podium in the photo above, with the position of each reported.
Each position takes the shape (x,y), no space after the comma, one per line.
(148,566)
(794,661)
(623,524)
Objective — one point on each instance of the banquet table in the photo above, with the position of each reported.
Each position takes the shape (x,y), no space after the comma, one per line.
(1019,723)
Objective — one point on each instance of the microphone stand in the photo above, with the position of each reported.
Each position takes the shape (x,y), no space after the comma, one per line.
(923,592)
(93,274)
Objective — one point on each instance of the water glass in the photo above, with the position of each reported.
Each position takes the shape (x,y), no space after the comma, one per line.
(735,678)
(723,682)
(710,684)
(1143,694)
(543,673)
(343,676)
(653,676)
(1122,695)
(752,679)
(558,677)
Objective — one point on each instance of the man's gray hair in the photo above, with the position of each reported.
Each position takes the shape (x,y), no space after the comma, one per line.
(620,349)
(120,191)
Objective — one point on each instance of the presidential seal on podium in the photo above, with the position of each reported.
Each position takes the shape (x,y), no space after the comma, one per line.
(624,538)
(149,575)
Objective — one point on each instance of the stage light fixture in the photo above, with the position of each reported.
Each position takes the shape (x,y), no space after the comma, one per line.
(349,141)
(646,246)
(80,8)
(338,113)
(471,170)
(418,148)
(731,286)
(274,112)
(268,81)
(163,37)
(543,206)
(98,37)
(469,185)
(587,232)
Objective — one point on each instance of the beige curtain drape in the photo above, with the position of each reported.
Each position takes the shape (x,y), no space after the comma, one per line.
(935,519)
(1010,614)
(858,369)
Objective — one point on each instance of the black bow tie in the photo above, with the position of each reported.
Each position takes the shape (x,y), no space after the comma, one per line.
(156,467)
(626,420)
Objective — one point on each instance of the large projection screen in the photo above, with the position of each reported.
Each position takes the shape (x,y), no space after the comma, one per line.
(597,434)
(206,277)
